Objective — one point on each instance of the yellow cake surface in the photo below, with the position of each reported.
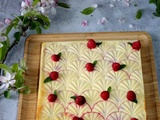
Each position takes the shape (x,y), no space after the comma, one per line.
(74,79)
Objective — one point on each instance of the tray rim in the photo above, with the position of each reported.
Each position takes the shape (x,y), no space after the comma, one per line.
(89,34)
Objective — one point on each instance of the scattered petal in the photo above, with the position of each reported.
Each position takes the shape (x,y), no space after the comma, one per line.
(95,6)
(126,4)
(84,23)
(1,24)
(102,21)
(53,10)
(111,5)
(131,25)
(121,20)
(23,4)
(7,21)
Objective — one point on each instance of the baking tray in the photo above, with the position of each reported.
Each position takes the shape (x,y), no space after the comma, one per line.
(28,103)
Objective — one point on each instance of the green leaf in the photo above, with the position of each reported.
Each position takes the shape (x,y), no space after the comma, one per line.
(139,14)
(35,2)
(130,43)
(59,54)
(135,101)
(152,1)
(98,43)
(156,14)
(5,67)
(64,5)
(15,67)
(38,30)
(6,94)
(19,79)
(55,92)
(33,25)
(48,79)
(17,36)
(88,11)
(23,65)
(73,97)
(109,89)
(4,51)
(9,28)
(0,54)
(26,90)
(94,63)
(122,66)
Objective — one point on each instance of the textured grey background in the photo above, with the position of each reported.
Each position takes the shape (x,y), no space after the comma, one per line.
(69,20)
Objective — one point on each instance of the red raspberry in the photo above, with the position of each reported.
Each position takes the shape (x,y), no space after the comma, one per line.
(116,66)
(131,96)
(52,98)
(80,100)
(55,57)
(105,95)
(134,119)
(77,118)
(136,45)
(89,67)
(54,75)
(91,44)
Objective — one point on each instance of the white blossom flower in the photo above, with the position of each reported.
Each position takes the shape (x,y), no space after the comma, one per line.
(1,45)
(42,7)
(7,80)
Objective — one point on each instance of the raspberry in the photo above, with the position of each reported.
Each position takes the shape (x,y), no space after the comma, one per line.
(52,98)
(89,67)
(80,100)
(91,44)
(131,96)
(105,95)
(116,66)
(136,45)
(55,57)
(54,75)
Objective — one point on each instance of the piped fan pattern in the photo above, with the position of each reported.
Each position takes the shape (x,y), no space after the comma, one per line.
(74,79)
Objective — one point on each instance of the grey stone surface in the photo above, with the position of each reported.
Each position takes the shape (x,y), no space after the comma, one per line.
(69,21)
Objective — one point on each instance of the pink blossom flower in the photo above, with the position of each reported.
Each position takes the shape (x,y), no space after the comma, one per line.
(7,21)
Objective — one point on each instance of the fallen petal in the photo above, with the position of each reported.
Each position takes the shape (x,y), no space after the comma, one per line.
(102,21)
(126,4)
(131,26)
(84,23)
(7,21)
(53,10)
(111,5)
(1,24)
(94,5)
